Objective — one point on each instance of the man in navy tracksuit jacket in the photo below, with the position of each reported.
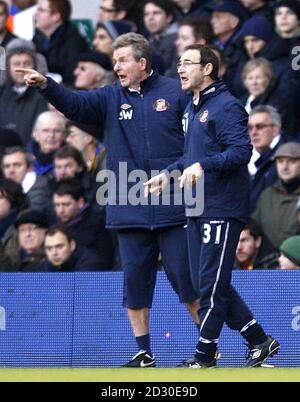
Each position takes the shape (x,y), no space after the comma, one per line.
(142,115)
(217,149)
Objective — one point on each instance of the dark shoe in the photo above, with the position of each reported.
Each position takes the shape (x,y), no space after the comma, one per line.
(197,364)
(260,353)
(141,360)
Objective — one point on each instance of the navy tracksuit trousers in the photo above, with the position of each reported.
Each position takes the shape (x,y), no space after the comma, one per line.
(212,246)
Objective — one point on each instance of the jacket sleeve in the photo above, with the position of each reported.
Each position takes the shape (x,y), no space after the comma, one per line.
(232,134)
(88,107)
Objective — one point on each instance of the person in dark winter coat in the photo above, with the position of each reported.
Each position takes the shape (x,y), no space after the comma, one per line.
(86,225)
(19,105)
(142,114)
(265,133)
(17,165)
(64,255)
(259,41)
(250,253)
(48,137)
(57,39)
(263,89)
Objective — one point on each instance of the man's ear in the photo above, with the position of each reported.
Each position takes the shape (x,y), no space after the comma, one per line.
(208,69)
(73,246)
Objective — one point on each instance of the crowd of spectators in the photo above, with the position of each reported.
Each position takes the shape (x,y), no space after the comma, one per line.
(49,164)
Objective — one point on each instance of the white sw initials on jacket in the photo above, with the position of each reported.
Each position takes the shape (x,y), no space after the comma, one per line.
(126,112)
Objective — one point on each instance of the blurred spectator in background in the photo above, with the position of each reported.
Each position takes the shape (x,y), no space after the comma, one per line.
(12,202)
(8,139)
(93,70)
(258,7)
(64,255)
(193,30)
(48,136)
(17,166)
(5,35)
(260,41)
(69,164)
(159,20)
(298,211)
(287,20)
(265,134)
(129,11)
(23,4)
(250,253)
(290,253)
(86,225)
(20,105)
(263,89)
(83,138)
(227,18)
(191,8)
(29,253)
(57,39)
(287,25)
(106,32)
(276,211)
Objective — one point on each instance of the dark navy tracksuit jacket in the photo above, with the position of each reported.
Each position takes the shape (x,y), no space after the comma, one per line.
(217,137)
(143,130)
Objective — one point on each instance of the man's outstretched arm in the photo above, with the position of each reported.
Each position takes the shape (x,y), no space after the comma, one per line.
(86,107)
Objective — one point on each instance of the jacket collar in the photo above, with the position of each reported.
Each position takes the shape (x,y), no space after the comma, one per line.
(210,92)
(146,84)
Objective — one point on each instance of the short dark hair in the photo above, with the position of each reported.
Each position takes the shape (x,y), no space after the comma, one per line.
(70,152)
(60,229)
(63,7)
(207,56)
(167,5)
(71,187)
(14,193)
(14,150)
(254,229)
(222,57)
(5,7)
(201,27)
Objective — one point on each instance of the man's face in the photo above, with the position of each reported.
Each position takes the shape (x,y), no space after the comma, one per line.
(3,19)
(15,167)
(107,11)
(66,208)
(5,206)
(288,168)
(22,60)
(261,132)
(87,75)
(248,247)
(44,18)
(77,138)
(50,135)
(286,20)
(253,45)
(31,237)
(257,81)
(58,249)
(66,168)
(223,23)
(129,71)
(191,75)
(155,18)
(185,38)
(285,263)
(102,42)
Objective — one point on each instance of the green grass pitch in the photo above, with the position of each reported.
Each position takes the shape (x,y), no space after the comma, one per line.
(149,375)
